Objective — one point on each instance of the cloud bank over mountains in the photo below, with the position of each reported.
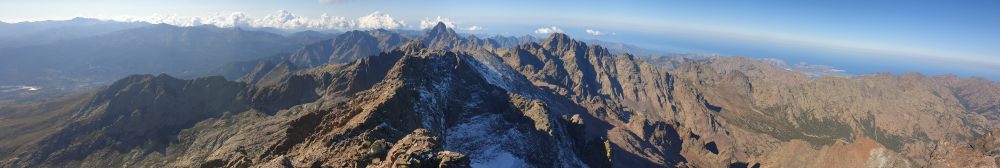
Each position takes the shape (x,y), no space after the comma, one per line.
(379,20)
(281,20)
(284,19)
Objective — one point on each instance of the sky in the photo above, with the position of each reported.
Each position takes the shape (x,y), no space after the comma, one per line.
(960,37)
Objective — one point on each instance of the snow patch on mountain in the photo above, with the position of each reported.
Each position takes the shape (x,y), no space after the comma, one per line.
(432,97)
(501,159)
(497,73)
(484,139)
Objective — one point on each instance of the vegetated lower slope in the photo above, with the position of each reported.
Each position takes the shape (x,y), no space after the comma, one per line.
(442,100)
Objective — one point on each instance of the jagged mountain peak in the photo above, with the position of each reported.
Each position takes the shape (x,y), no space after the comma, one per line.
(442,37)
(557,38)
(440,26)
(441,31)
(561,43)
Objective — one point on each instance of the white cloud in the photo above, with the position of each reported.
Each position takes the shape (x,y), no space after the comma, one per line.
(286,20)
(429,23)
(548,30)
(474,28)
(235,19)
(280,20)
(379,20)
(332,22)
(594,32)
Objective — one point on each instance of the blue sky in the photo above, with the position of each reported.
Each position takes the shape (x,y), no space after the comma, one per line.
(964,35)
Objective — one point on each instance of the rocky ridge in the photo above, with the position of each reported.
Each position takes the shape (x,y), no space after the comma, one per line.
(443,100)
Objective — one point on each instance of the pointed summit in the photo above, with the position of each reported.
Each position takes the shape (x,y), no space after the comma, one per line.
(558,37)
(440,26)
(558,40)
(442,37)
(441,31)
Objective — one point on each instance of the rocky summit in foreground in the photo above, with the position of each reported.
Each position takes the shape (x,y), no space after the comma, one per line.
(443,100)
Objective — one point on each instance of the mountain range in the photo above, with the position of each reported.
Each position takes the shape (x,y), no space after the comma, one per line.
(61,57)
(384,99)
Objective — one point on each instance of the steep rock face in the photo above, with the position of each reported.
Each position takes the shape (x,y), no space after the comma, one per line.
(571,68)
(629,95)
